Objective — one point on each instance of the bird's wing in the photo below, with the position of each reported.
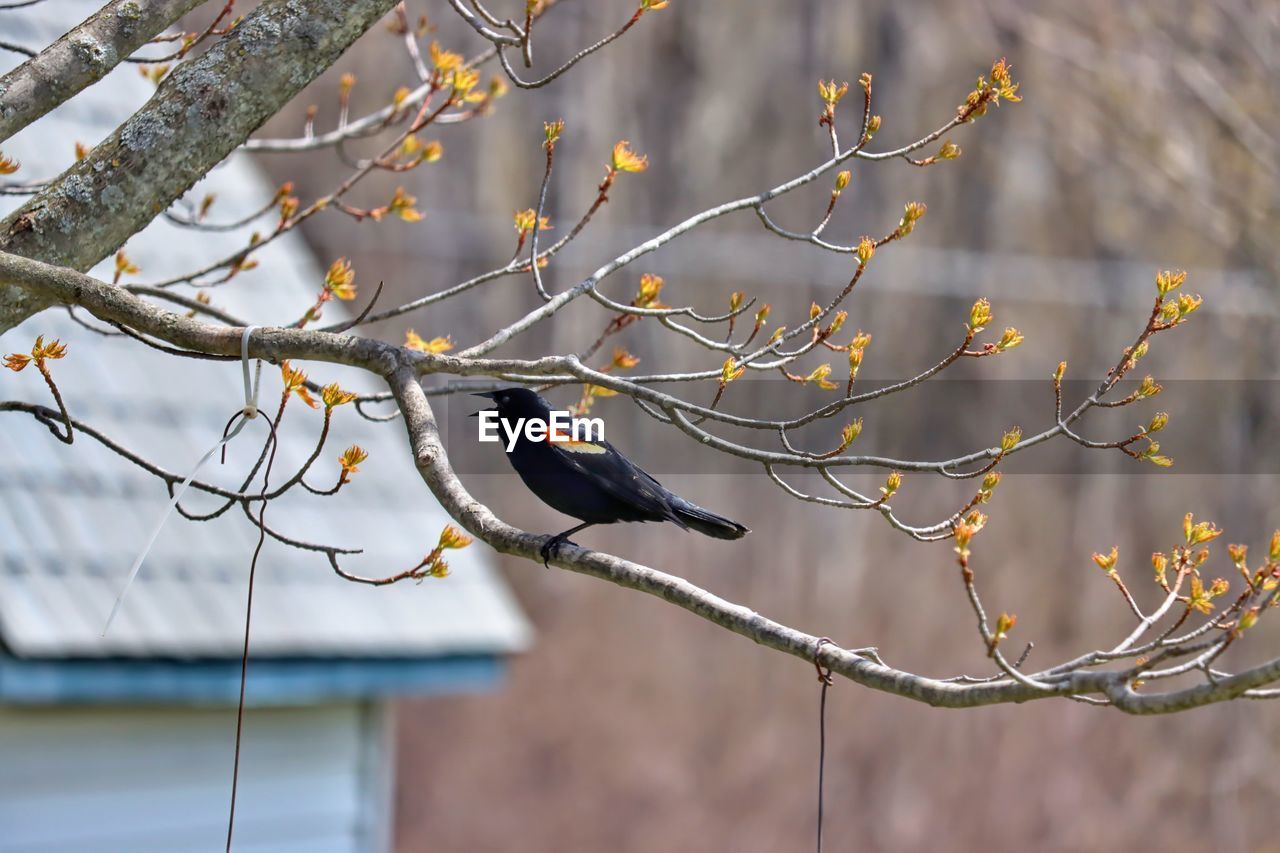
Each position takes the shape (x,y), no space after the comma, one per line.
(601,463)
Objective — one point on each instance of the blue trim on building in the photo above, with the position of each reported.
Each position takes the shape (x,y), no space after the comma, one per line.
(273,681)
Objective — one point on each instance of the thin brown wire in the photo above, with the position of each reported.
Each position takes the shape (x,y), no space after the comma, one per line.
(248,614)
(824,676)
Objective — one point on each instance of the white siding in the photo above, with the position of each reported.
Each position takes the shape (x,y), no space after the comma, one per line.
(136,780)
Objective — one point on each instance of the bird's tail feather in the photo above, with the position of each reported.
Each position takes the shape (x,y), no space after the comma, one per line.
(708,523)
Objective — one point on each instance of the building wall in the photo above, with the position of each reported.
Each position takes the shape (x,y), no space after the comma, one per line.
(158,779)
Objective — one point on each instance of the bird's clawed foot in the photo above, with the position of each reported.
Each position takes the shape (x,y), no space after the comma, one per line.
(553,543)
(549,548)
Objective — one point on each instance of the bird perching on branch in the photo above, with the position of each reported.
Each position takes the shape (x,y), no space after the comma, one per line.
(590,480)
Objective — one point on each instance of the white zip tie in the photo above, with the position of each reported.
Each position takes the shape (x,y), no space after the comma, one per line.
(250,411)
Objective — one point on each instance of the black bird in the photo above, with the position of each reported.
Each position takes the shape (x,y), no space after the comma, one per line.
(592,481)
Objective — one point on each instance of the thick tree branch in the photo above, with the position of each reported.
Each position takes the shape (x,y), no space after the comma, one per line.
(402,368)
(433,464)
(82,57)
(201,112)
(51,284)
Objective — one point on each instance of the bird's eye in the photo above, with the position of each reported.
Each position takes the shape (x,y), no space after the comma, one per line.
(502,398)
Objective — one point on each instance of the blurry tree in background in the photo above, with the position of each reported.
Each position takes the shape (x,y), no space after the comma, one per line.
(1144,138)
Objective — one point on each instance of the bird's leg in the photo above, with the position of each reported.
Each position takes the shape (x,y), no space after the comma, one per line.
(549,548)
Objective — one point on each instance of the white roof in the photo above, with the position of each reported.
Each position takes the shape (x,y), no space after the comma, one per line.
(73,518)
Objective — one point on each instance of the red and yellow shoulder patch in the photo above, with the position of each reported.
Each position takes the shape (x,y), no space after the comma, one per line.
(569,445)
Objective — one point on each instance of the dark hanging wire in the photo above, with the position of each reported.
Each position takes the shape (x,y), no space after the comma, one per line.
(248,613)
(824,676)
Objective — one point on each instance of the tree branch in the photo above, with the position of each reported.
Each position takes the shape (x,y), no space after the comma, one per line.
(82,57)
(402,368)
(201,112)
(861,667)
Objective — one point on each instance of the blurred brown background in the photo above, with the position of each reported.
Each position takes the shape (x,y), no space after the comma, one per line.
(1147,139)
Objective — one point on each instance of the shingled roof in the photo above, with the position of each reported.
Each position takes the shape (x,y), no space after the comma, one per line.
(73,518)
